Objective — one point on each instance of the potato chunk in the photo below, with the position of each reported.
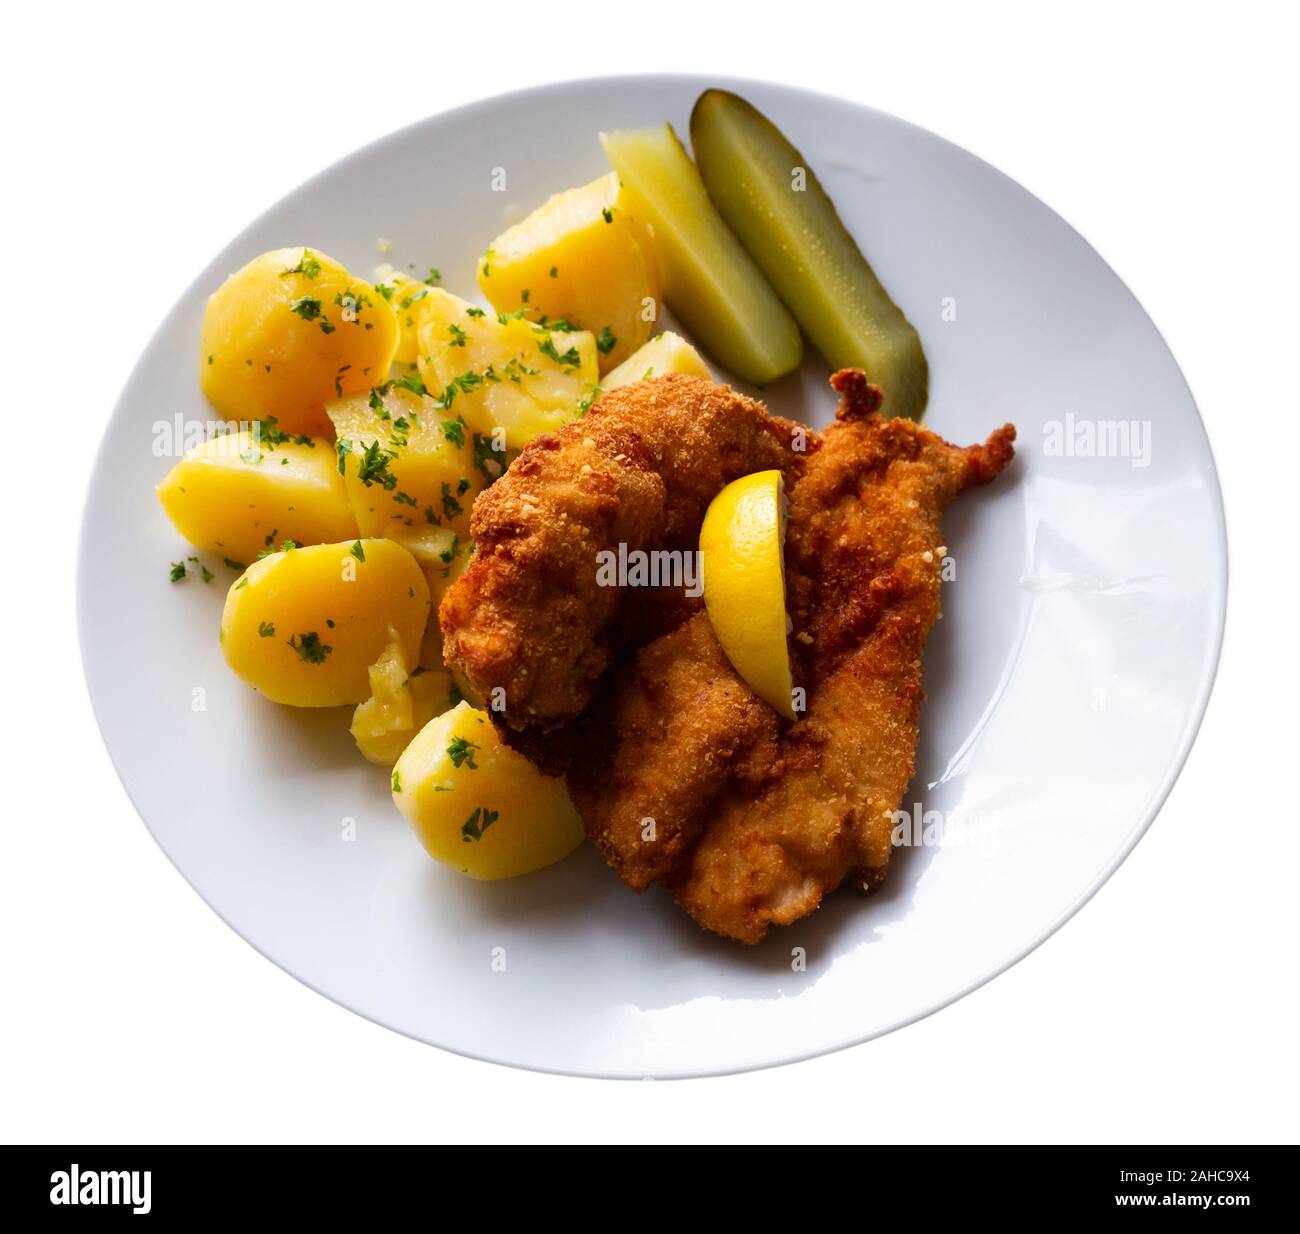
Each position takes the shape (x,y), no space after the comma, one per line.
(479,806)
(508,379)
(585,257)
(402,701)
(409,468)
(446,567)
(287,333)
(665,353)
(304,626)
(404,293)
(242,493)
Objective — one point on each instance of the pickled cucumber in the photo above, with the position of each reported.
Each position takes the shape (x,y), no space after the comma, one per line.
(769,196)
(708,279)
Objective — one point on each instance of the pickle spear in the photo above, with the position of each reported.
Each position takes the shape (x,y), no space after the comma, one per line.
(708,279)
(769,196)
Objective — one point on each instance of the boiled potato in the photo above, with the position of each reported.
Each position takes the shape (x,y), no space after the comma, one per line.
(508,379)
(584,257)
(304,626)
(479,806)
(408,465)
(242,493)
(287,333)
(402,701)
(440,572)
(404,293)
(665,353)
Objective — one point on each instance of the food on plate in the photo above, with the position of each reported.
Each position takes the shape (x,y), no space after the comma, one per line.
(404,293)
(408,467)
(569,583)
(304,625)
(506,378)
(478,806)
(402,701)
(665,353)
(712,285)
(756,819)
(742,556)
(773,201)
(584,257)
(241,493)
(532,623)
(440,573)
(289,332)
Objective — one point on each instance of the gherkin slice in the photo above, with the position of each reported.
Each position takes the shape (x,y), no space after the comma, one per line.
(769,196)
(710,282)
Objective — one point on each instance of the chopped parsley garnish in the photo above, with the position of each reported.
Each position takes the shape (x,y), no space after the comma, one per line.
(343,448)
(372,467)
(487,458)
(458,336)
(307,266)
(310,648)
(266,629)
(413,383)
(434,276)
(308,308)
(461,752)
(396,781)
(178,571)
(454,431)
(450,506)
(606,341)
(567,359)
(234,565)
(607,214)
(358,551)
(477,823)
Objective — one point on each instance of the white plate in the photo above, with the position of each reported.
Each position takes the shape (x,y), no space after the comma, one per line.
(1065,684)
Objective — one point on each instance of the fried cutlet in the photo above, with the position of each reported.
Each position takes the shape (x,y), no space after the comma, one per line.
(756,819)
(528,623)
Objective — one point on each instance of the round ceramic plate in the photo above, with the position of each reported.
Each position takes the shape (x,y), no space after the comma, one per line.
(1064,684)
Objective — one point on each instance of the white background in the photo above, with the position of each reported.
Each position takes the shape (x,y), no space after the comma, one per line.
(137,140)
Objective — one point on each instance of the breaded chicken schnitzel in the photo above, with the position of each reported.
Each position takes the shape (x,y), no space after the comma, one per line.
(756,819)
(682,775)
(528,616)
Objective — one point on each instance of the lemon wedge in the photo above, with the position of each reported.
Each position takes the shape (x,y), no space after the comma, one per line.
(741,554)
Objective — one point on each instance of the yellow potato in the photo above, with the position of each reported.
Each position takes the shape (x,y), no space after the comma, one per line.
(404,293)
(304,626)
(479,806)
(402,701)
(508,379)
(242,493)
(440,571)
(665,353)
(408,465)
(585,257)
(287,333)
